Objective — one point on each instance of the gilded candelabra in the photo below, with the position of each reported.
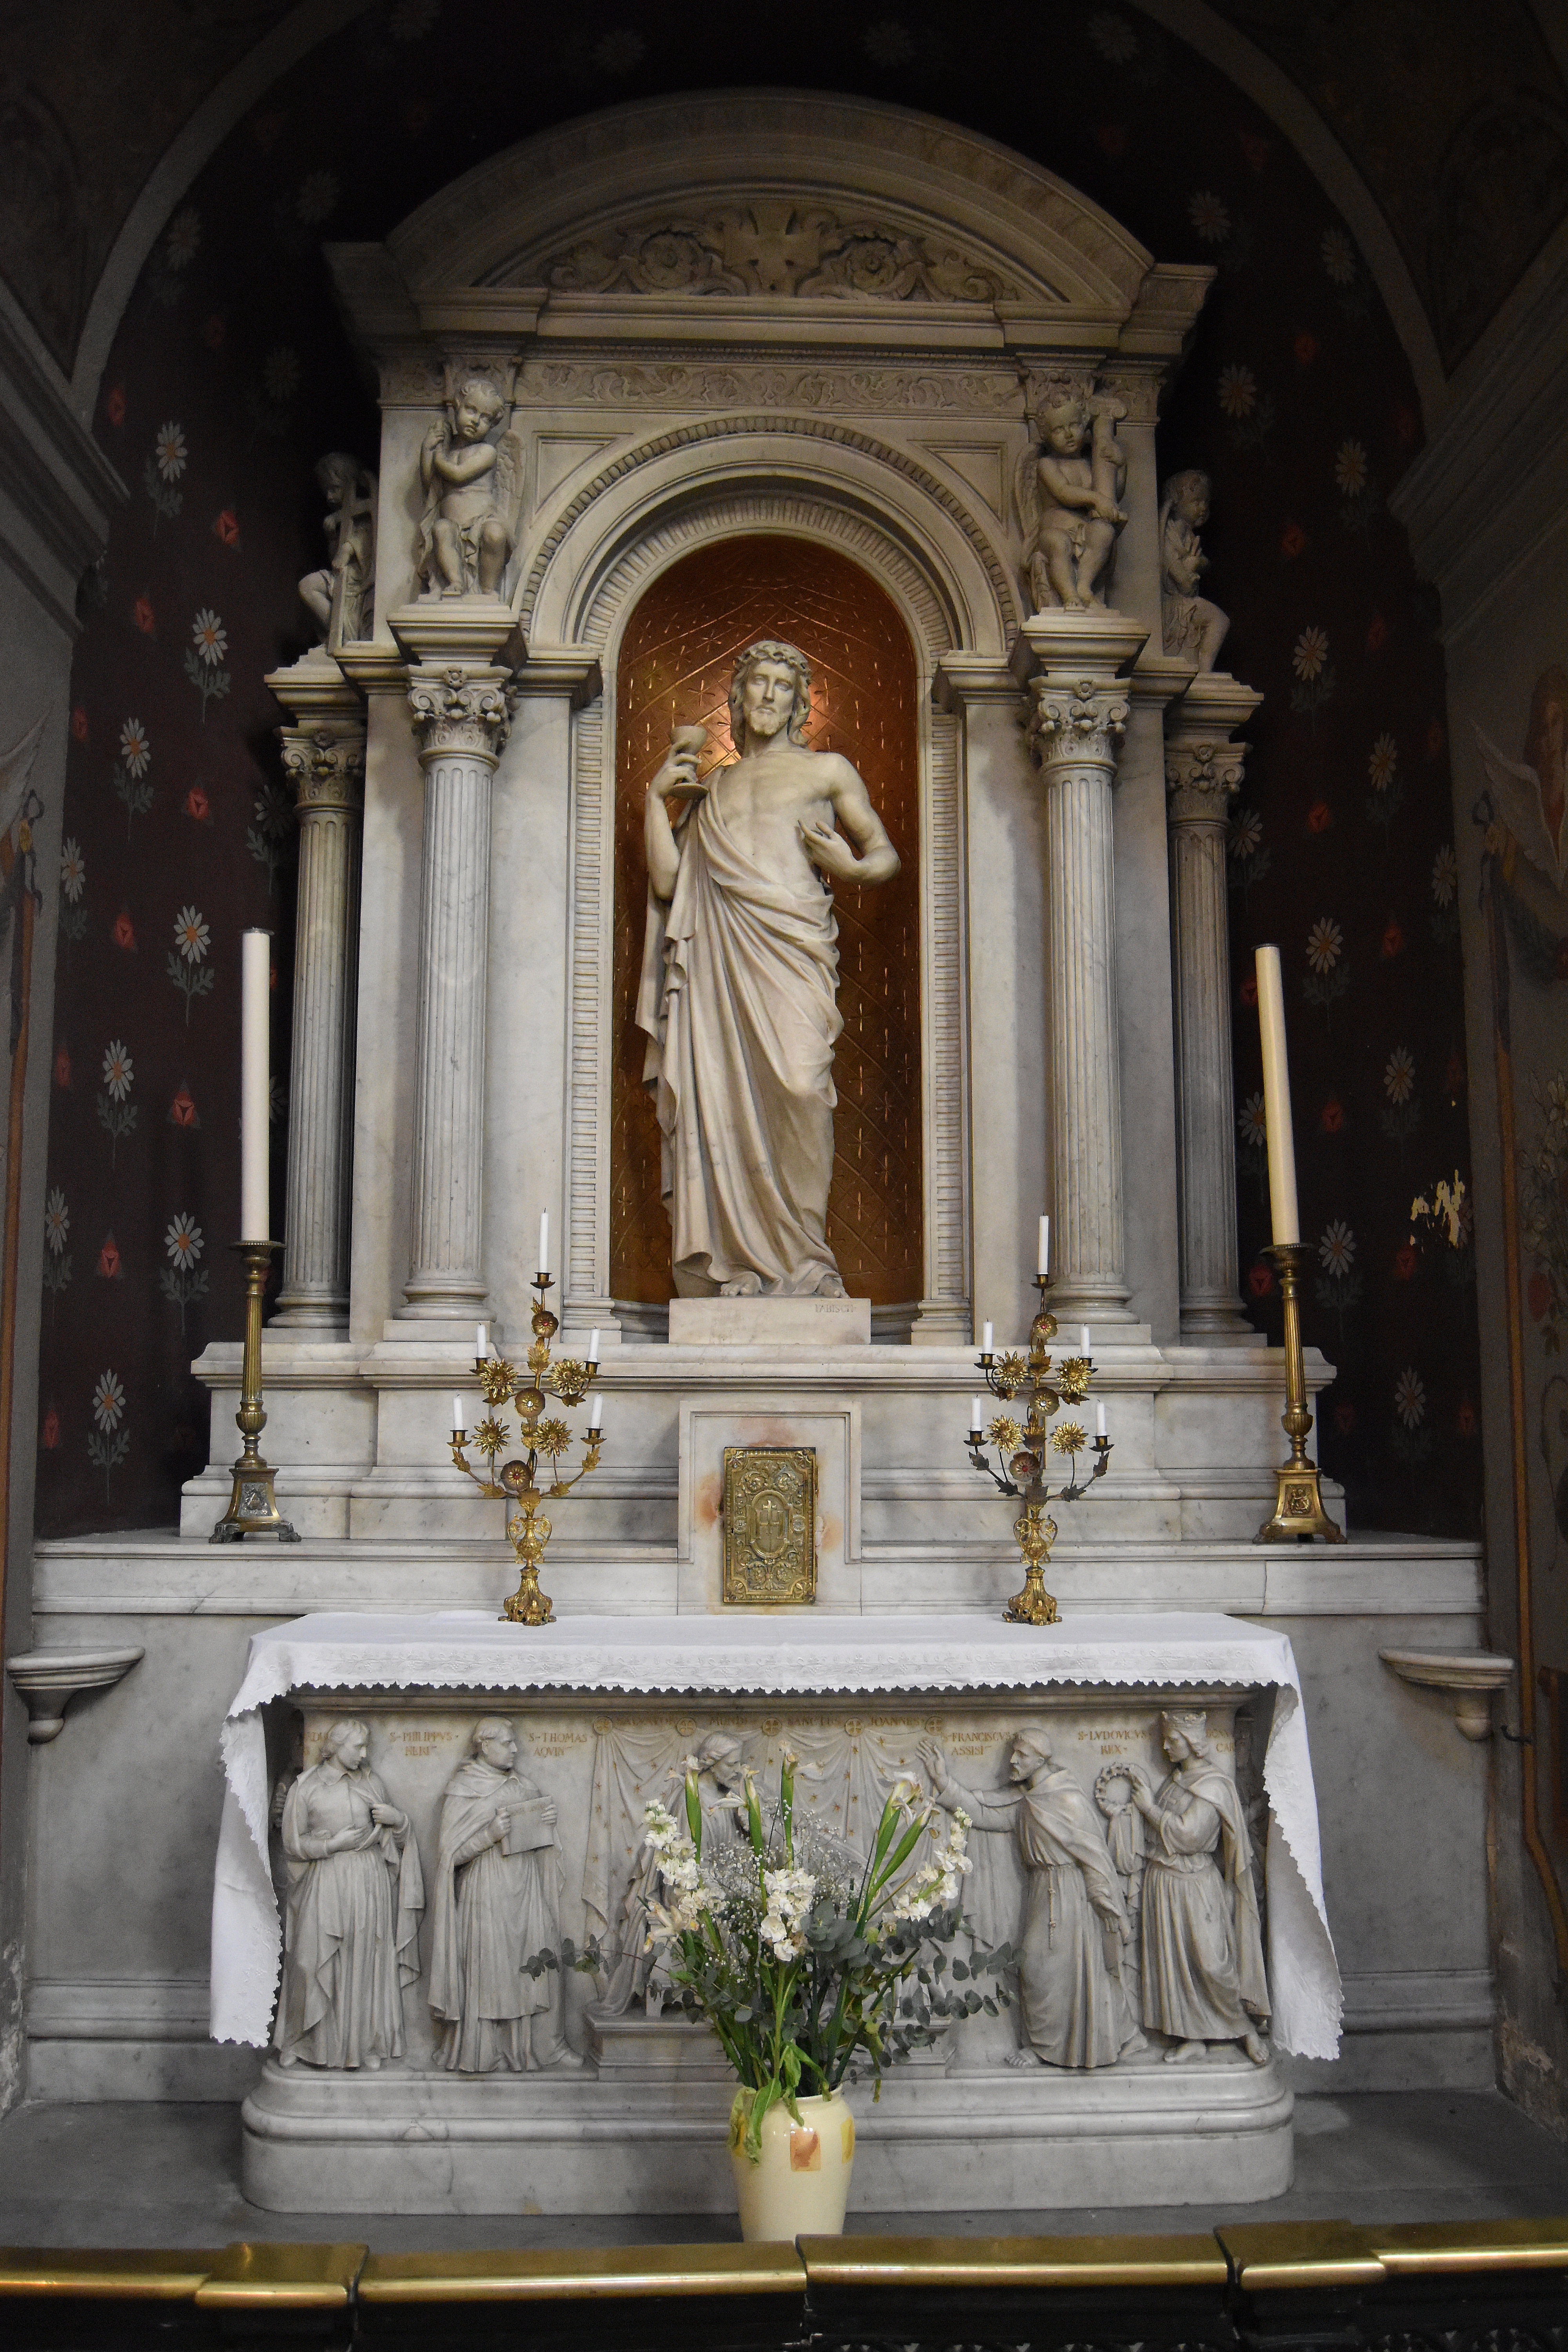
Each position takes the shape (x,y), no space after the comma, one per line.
(253,1504)
(1021,1449)
(516,1481)
(1298,1505)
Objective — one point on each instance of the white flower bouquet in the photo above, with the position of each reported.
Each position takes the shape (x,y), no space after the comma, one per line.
(812,1963)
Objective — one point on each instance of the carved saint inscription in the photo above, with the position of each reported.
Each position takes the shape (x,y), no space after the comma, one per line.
(770,1523)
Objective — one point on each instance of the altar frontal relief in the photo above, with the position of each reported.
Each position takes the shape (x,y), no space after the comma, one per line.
(677,669)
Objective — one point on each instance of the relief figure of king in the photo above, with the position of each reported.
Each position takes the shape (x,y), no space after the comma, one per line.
(739,980)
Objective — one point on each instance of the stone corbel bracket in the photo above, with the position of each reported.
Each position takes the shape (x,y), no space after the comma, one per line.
(1468,1676)
(48,1680)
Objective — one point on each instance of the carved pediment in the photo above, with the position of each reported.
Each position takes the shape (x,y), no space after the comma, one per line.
(774,246)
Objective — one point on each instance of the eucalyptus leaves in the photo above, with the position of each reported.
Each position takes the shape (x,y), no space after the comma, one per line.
(811,1962)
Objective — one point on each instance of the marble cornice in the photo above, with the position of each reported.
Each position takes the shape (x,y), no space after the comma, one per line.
(57,489)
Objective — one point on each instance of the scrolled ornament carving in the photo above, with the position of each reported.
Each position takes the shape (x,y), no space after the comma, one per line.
(326,766)
(459,710)
(1201,779)
(1077,725)
(774,247)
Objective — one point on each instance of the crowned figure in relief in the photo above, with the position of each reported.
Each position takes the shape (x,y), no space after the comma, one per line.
(740,979)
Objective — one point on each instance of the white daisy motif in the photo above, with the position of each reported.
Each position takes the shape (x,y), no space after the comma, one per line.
(1245,833)
(1253,1122)
(1325,944)
(1339,256)
(1112,35)
(135,749)
(184,240)
(1337,1247)
(117,1070)
(209,637)
(56,1221)
(1445,874)
(73,870)
(316,198)
(183,1241)
(109,1400)
(1311,652)
(1399,1076)
(1209,216)
(169,450)
(281,373)
(1410,1397)
(1383,761)
(1238,391)
(191,936)
(1351,468)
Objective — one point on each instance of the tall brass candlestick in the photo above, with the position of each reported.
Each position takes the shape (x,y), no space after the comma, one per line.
(1298,1505)
(253,1506)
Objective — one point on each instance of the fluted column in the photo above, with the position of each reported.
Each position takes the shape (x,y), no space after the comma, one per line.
(323,759)
(1202,773)
(461,721)
(1079,718)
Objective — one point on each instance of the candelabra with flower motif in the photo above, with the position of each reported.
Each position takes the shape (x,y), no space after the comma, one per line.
(1022,1447)
(543,1436)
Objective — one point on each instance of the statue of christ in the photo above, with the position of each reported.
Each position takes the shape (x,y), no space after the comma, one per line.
(740,986)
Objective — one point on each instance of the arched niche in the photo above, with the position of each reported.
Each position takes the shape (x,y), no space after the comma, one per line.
(678,651)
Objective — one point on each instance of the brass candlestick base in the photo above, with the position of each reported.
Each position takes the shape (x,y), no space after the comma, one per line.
(1299,1512)
(546,1438)
(253,1506)
(1021,1449)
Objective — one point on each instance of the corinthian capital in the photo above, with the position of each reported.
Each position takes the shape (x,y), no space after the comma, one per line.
(325,764)
(459,709)
(1078,724)
(1201,778)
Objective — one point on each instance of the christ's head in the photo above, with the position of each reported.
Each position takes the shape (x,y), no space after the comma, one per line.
(770,694)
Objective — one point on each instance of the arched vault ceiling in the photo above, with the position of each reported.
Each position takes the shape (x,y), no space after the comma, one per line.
(1455,114)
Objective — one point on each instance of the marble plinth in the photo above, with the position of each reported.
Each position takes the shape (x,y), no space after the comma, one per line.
(770,1322)
(417,2141)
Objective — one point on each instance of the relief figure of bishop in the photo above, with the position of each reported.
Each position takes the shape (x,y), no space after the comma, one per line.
(739,980)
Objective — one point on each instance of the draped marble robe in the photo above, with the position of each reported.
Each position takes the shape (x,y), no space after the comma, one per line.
(352,1929)
(1074,2011)
(493,1911)
(1204,1978)
(739,1002)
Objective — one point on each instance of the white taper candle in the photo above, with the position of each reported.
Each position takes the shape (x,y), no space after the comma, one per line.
(1277,1097)
(1099,1421)
(596,1412)
(481,1339)
(1083,1338)
(256,973)
(593,1345)
(1045,1265)
(976,1412)
(987,1338)
(457,1421)
(543,1266)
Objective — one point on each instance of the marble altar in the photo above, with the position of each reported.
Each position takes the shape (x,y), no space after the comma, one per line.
(603,1710)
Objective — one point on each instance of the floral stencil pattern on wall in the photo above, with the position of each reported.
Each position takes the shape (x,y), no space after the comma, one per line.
(230,376)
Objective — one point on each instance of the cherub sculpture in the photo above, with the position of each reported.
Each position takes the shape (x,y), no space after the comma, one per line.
(472,474)
(1070,502)
(1192,625)
(339,595)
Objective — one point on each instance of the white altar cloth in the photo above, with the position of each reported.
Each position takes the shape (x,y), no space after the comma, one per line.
(464,1650)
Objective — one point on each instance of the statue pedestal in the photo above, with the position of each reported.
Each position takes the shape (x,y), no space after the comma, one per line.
(770,1322)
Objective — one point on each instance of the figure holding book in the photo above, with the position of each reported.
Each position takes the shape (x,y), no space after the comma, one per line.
(498,1903)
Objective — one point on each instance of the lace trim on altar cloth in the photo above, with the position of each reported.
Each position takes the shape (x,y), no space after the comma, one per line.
(702,1655)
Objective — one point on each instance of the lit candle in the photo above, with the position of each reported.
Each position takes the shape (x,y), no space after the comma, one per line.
(1099,1421)
(1044,1246)
(1083,1338)
(596,1414)
(458,1421)
(481,1339)
(256,973)
(1277,1097)
(544,1241)
(593,1345)
(987,1336)
(976,1414)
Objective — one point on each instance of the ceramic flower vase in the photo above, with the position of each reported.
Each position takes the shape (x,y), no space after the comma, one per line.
(800,2187)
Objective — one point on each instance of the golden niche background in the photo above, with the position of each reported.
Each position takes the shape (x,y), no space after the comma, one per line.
(681,646)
